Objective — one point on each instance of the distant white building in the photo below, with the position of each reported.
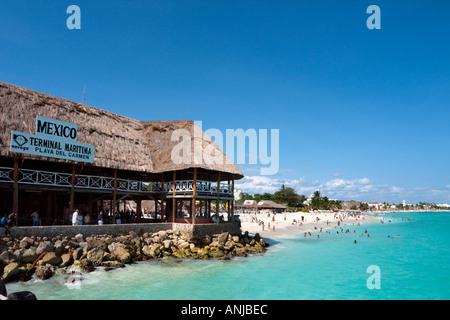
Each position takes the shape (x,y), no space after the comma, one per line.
(404,203)
(374,205)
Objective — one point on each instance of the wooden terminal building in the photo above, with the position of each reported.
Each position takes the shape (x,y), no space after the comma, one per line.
(132,161)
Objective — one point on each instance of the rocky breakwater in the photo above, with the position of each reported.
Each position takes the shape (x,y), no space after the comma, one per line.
(23,258)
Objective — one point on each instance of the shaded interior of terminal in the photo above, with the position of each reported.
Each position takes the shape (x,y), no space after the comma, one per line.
(183,196)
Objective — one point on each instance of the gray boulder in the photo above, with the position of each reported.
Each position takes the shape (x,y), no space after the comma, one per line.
(223,237)
(7,257)
(95,256)
(153,251)
(118,250)
(59,247)
(77,253)
(183,245)
(79,238)
(10,271)
(28,255)
(51,258)
(66,260)
(167,244)
(43,272)
(85,246)
(45,246)
(26,242)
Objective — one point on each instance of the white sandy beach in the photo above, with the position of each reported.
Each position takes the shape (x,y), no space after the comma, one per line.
(289,224)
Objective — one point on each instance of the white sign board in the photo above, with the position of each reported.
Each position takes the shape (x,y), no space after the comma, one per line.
(53,138)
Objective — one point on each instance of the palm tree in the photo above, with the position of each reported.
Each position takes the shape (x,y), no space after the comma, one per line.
(316,200)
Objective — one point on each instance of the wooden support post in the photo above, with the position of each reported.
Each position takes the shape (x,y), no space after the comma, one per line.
(163,208)
(232,201)
(48,211)
(90,209)
(194,193)
(16,187)
(139,210)
(55,210)
(72,189)
(228,201)
(218,195)
(173,196)
(208,208)
(113,204)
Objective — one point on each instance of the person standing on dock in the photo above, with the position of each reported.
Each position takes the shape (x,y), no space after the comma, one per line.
(75,217)
(100,218)
(35,217)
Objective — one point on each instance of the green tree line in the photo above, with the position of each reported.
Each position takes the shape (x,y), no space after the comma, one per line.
(293,200)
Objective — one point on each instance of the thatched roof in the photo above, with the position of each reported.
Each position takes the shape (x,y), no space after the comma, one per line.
(271,204)
(120,142)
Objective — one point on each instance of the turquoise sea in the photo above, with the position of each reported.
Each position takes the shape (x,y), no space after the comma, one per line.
(415,265)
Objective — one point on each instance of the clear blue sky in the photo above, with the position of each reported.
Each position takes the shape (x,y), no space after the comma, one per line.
(363,114)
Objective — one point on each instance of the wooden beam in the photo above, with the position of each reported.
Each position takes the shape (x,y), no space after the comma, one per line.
(163,208)
(55,209)
(16,187)
(138,210)
(173,193)
(232,192)
(48,211)
(194,193)
(113,205)
(218,195)
(72,189)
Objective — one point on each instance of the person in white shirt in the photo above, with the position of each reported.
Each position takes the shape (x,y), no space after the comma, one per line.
(75,218)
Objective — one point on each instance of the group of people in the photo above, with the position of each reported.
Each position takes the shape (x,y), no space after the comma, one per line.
(8,221)
(120,217)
